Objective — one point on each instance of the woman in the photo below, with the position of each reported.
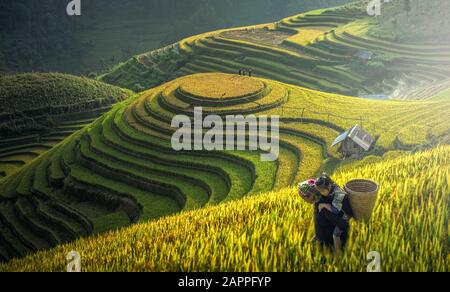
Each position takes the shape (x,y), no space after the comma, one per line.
(332,210)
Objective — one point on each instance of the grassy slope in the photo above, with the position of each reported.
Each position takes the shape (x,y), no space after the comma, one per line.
(40,109)
(270,232)
(33,91)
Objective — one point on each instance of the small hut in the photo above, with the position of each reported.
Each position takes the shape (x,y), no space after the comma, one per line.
(354,142)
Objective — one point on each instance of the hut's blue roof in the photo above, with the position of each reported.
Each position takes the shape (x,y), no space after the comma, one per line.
(358,135)
(341,138)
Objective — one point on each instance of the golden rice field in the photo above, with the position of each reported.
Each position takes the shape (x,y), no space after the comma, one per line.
(413,123)
(306,36)
(271,232)
(125,159)
(142,206)
(221,86)
(319,50)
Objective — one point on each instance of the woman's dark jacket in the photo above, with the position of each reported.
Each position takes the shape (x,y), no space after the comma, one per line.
(326,221)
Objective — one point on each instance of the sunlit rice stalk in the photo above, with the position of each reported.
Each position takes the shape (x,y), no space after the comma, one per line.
(270,232)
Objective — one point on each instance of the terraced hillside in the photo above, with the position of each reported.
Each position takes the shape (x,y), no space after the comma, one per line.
(40,110)
(271,232)
(41,38)
(122,168)
(331,50)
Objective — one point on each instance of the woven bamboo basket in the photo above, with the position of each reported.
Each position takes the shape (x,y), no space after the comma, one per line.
(363,196)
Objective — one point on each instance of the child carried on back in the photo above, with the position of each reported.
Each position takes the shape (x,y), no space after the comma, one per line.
(332,210)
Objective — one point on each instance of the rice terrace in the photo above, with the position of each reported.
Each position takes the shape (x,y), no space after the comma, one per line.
(353,111)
